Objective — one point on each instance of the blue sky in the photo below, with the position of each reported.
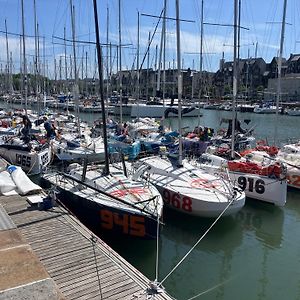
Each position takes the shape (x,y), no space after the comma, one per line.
(53,15)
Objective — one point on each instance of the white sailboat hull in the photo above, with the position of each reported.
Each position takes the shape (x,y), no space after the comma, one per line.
(190,190)
(151,111)
(77,154)
(263,188)
(198,207)
(31,162)
(293,177)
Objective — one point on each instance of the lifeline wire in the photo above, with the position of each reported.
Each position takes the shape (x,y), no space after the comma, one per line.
(94,241)
(186,255)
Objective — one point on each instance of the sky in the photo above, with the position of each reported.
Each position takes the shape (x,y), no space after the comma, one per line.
(262,20)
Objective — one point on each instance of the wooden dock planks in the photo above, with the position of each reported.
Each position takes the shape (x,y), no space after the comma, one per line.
(65,248)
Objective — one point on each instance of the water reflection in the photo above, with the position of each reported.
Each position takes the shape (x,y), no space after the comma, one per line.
(216,264)
(265,220)
(210,262)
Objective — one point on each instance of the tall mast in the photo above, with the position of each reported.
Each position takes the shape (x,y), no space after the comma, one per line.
(164,53)
(201,60)
(107,54)
(155,67)
(21,69)
(76,92)
(120,64)
(278,98)
(38,66)
(7,59)
(173,78)
(138,61)
(192,74)
(24,57)
(161,50)
(66,64)
(44,70)
(110,64)
(55,74)
(82,70)
(101,86)
(10,76)
(148,65)
(86,73)
(35,55)
(235,40)
(238,46)
(179,81)
(60,74)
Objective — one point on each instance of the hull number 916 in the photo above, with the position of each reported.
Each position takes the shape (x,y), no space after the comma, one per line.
(251,184)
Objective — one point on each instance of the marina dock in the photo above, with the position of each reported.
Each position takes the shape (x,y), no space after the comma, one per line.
(49,254)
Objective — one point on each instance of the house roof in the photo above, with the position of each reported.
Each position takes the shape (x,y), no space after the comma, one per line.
(294,57)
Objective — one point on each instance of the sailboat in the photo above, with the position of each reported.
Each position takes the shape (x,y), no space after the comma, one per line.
(262,180)
(105,198)
(23,151)
(184,187)
(289,155)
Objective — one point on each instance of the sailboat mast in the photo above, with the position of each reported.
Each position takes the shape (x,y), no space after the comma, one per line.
(99,56)
(201,60)
(38,65)
(179,81)
(161,50)
(107,54)
(66,64)
(278,98)
(21,68)
(7,59)
(148,66)
(164,53)
(10,78)
(120,63)
(35,56)
(24,56)
(76,92)
(44,70)
(86,73)
(235,41)
(138,62)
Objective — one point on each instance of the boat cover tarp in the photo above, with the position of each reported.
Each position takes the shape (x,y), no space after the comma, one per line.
(23,183)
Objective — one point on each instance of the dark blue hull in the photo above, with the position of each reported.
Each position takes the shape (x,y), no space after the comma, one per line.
(102,219)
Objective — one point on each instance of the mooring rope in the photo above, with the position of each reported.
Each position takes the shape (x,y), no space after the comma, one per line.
(196,244)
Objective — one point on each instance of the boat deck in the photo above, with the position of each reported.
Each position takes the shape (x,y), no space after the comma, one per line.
(82,266)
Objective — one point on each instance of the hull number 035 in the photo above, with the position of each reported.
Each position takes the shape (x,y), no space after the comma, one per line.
(252,185)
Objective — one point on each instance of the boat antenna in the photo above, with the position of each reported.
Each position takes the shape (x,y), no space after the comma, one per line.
(99,56)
